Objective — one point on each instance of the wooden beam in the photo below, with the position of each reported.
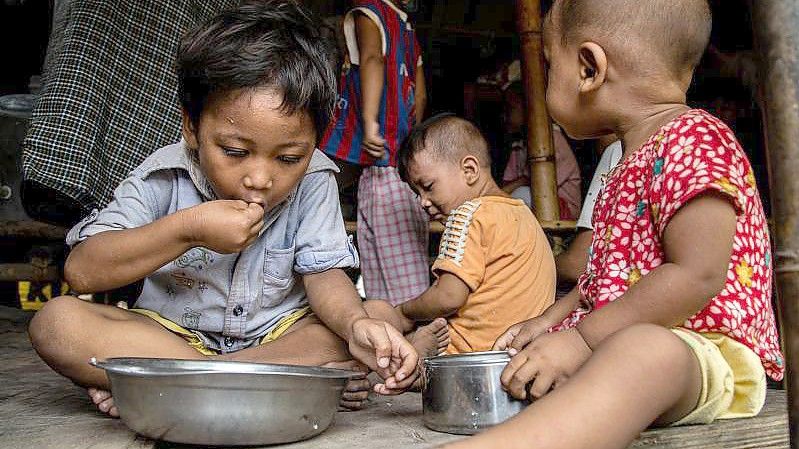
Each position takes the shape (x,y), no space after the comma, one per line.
(776,25)
(32,230)
(13,272)
(540,146)
(352,227)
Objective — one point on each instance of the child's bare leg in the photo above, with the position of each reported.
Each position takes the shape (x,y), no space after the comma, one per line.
(309,342)
(635,377)
(68,331)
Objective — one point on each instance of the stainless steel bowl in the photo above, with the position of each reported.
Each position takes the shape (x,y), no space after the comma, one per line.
(462,394)
(223,403)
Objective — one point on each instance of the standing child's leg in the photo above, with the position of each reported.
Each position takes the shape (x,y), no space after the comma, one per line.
(637,376)
(392,237)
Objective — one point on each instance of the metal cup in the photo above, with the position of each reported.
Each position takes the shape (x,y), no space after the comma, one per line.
(462,393)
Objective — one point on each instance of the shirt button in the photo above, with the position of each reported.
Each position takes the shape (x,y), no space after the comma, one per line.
(228,342)
(238,310)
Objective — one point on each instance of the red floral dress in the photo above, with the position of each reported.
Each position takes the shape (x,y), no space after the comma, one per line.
(693,154)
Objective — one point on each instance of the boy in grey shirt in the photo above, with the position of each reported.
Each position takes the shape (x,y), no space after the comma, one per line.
(236,230)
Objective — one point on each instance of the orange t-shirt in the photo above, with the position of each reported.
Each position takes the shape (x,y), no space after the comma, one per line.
(497,248)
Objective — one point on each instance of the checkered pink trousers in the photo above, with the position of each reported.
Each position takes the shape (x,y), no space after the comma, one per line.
(392,237)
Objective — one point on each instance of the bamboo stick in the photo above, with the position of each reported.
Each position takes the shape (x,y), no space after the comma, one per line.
(776,25)
(540,146)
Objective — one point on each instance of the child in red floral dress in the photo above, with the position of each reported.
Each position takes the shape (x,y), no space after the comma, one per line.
(672,321)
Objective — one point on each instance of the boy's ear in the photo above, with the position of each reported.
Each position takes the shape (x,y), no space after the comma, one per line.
(189,132)
(471,169)
(593,67)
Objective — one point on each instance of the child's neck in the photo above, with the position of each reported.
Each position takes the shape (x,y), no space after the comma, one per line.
(636,129)
(489,188)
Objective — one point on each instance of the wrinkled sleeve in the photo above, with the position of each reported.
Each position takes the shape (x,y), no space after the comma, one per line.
(134,204)
(321,241)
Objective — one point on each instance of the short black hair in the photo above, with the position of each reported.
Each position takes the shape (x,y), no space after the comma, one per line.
(448,137)
(274,44)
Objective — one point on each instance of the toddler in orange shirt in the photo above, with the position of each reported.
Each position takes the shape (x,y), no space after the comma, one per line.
(495,266)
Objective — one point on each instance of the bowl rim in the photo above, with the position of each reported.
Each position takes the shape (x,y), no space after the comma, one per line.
(469,359)
(150,367)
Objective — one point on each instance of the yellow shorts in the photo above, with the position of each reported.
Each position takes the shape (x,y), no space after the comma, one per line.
(733,378)
(195,342)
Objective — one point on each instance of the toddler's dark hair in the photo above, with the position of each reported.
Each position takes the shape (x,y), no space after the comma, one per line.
(447,137)
(273,44)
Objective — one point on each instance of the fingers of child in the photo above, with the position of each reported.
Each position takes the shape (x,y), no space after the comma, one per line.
(386,391)
(256,211)
(525,335)
(514,365)
(238,204)
(250,240)
(399,386)
(541,385)
(381,389)
(517,385)
(406,354)
(559,381)
(505,339)
(375,152)
(517,380)
(255,229)
(379,340)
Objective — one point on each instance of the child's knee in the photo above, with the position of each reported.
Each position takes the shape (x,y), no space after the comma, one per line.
(51,319)
(654,347)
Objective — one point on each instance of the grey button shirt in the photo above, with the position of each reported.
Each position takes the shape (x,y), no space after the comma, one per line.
(230,300)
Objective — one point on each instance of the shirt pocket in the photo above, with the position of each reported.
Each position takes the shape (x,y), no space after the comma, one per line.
(278,276)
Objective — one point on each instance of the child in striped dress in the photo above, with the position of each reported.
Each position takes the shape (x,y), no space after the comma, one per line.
(381,96)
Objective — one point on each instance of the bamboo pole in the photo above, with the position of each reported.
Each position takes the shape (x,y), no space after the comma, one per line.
(540,146)
(776,25)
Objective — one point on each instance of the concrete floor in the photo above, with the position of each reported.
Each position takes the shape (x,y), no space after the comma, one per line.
(40,409)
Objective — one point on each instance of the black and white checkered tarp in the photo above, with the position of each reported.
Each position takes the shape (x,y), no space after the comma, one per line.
(109,94)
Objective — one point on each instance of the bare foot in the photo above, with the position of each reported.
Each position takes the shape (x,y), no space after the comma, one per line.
(104,401)
(357,389)
(431,340)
